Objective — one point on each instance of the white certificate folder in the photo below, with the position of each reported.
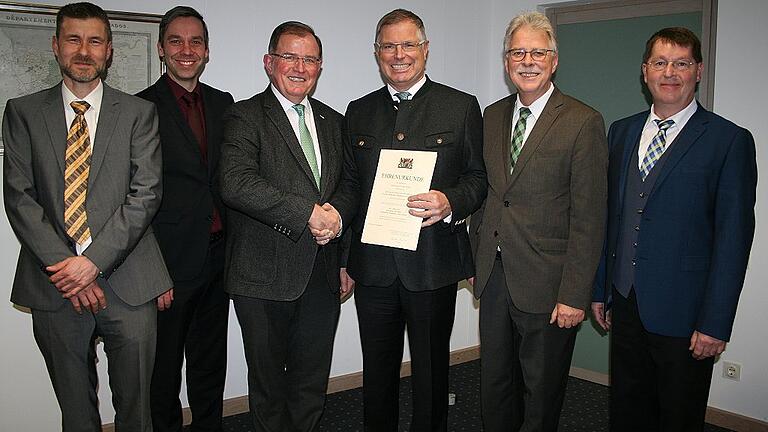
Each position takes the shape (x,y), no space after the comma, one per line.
(400,174)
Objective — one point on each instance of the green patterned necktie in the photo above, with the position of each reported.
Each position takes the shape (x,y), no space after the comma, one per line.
(517,137)
(306,144)
(403,96)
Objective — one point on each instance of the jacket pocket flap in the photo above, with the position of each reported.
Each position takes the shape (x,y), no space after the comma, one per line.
(438,139)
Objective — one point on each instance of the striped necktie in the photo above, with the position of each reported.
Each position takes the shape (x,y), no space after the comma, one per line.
(656,149)
(306,144)
(78,165)
(517,137)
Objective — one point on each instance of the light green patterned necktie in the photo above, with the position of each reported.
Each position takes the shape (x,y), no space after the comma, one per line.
(306,144)
(517,137)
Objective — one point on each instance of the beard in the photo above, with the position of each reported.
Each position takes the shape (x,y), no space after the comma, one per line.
(85,76)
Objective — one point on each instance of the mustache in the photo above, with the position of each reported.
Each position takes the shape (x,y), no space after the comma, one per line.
(79,58)
(527,70)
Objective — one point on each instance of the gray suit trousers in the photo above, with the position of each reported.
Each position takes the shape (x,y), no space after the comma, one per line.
(67,341)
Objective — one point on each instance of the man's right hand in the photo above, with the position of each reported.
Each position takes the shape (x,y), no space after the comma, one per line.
(164,300)
(324,223)
(602,316)
(91,298)
(347,283)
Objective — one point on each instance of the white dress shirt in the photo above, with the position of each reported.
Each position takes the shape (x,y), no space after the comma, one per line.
(537,107)
(651,129)
(309,120)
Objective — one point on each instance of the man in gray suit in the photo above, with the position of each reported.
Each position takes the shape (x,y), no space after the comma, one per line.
(538,235)
(281,159)
(80,203)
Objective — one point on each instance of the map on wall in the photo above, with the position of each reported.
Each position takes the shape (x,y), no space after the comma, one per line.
(27,64)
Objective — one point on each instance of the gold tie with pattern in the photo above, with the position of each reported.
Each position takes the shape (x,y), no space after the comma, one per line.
(78,165)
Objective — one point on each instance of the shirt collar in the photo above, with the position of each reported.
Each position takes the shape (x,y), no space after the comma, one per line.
(93,98)
(537,107)
(680,118)
(288,105)
(179,91)
(412,90)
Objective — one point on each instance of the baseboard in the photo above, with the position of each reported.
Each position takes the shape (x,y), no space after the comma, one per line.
(589,375)
(715,416)
(733,421)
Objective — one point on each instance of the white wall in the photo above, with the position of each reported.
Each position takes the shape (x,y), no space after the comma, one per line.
(465,52)
(740,95)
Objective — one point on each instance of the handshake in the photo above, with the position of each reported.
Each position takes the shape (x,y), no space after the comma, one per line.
(324,223)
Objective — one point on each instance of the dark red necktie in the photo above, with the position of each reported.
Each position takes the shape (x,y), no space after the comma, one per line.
(195,121)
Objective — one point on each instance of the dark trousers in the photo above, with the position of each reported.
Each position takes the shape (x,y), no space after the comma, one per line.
(288,347)
(383,314)
(67,341)
(195,328)
(524,362)
(656,385)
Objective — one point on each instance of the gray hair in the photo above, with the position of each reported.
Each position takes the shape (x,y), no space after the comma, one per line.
(534,20)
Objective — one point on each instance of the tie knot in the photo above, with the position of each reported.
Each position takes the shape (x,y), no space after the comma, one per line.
(80,107)
(664,125)
(190,98)
(299,109)
(524,113)
(403,96)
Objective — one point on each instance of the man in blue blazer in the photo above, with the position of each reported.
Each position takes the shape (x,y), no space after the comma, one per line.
(681,199)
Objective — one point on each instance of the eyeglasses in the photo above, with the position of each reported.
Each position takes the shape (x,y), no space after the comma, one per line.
(678,65)
(390,48)
(537,54)
(293,59)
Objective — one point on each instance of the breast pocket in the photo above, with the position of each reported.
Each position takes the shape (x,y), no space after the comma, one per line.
(363,142)
(438,140)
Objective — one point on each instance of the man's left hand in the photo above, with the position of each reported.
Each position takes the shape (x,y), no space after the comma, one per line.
(703,346)
(72,274)
(566,316)
(435,204)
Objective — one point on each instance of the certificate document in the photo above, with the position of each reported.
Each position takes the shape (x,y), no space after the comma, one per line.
(400,174)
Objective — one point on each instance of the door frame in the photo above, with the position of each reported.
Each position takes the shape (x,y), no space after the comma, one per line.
(582,11)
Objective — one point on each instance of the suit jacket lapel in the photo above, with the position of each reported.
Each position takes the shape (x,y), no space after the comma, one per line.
(108,116)
(327,151)
(692,130)
(276,114)
(56,123)
(629,144)
(210,127)
(503,151)
(543,123)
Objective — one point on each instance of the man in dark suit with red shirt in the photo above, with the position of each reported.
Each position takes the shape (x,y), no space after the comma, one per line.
(193,316)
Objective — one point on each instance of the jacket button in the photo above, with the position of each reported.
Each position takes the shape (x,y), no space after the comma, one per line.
(637,228)
(506,203)
(640,211)
(634,245)
(360,143)
(400,136)
(642,194)
(439,140)
(634,263)
(495,233)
